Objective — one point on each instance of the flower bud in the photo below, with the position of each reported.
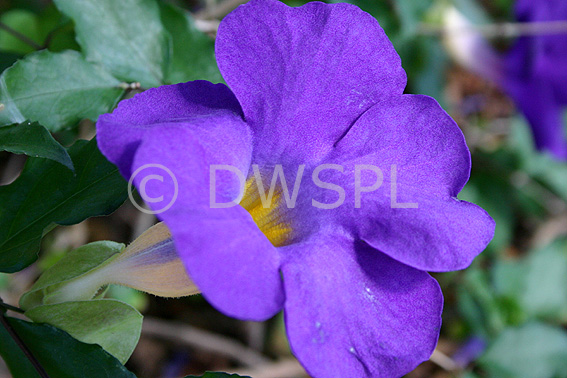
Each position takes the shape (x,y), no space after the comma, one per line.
(149,264)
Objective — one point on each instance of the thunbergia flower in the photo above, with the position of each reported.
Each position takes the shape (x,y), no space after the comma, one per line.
(316,93)
(533,72)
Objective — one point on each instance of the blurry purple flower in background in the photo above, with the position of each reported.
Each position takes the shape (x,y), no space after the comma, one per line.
(533,71)
(536,75)
(469,351)
(319,84)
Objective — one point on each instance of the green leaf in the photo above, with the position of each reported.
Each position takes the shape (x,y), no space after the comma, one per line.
(534,350)
(192,53)
(125,36)
(217,375)
(547,273)
(56,89)
(7,59)
(47,193)
(508,277)
(17,363)
(491,191)
(135,298)
(49,28)
(426,67)
(73,266)
(57,30)
(549,172)
(61,355)
(540,167)
(33,140)
(112,324)
(485,312)
(411,13)
(534,282)
(25,23)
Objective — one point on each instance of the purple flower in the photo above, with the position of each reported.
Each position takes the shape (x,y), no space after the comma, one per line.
(536,75)
(316,92)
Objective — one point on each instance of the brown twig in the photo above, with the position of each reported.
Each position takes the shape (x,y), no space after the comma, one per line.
(549,231)
(499,30)
(443,361)
(197,338)
(287,368)
(207,26)
(220,10)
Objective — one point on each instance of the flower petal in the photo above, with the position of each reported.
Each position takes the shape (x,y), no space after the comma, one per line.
(231,261)
(412,138)
(186,105)
(544,112)
(351,311)
(233,264)
(303,75)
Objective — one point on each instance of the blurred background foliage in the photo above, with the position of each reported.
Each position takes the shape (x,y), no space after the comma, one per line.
(504,317)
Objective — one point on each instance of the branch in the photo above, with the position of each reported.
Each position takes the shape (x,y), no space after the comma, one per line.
(549,231)
(220,10)
(281,369)
(506,29)
(443,361)
(204,340)
(207,26)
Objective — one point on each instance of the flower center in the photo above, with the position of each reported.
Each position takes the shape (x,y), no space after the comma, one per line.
(267,212)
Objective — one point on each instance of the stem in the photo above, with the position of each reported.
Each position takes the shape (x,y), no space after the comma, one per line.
(506,29)
(53,33)
(20,36)
(12,332)
(10,307)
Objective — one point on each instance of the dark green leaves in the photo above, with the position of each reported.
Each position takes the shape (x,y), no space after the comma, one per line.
(33,140)
(114,325)
(59,354)
(46,29)
(56,90)
(142,41)
(125,36)
(72,271)
(47,192)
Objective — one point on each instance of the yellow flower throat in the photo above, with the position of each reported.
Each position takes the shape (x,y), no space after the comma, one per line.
(267,214)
